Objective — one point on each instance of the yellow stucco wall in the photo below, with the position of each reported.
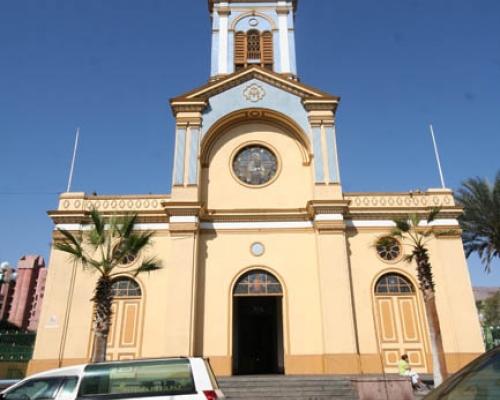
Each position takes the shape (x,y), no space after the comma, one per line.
(327,269)
(291,188)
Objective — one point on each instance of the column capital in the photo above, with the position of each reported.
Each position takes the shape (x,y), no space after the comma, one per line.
(321,104)
(179,106)
(328,215)
(282,10)
(183,217)
(321,112)
(223,11)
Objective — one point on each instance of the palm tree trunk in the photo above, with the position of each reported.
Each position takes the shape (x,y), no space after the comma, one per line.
(438,359)
(426,281)
(103,300)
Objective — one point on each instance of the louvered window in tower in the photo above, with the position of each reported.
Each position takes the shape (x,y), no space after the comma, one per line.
(253,48)
(267,50)
(240,50)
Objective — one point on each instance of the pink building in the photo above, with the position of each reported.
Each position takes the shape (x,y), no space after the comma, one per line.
(21,292)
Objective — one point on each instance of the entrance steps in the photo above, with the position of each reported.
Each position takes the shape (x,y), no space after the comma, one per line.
(280,387)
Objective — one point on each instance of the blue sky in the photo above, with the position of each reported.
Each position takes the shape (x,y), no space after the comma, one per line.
(110,66)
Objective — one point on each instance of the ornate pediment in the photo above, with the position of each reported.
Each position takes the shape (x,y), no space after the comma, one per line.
(310,96)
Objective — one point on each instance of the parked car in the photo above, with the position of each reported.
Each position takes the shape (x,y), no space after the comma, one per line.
(154,379)
(478,380)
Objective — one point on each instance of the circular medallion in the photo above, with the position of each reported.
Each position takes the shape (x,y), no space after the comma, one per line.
(255,165)
(253,22)
(257,249)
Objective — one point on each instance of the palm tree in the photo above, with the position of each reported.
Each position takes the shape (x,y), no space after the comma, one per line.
(409,232)
(101,249)
(480,220)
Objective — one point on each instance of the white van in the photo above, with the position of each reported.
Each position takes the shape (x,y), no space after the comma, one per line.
(150,379)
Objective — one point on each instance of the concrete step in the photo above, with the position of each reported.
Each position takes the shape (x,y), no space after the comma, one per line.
(279,387)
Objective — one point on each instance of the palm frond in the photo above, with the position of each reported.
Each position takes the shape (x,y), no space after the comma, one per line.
(396,233)
(69,237)
(148,265)
(414,220)
(98,221)
(433,214)
(75,252)
(126,225)
(480,221)
(402,224)
(409,257)
(71,245)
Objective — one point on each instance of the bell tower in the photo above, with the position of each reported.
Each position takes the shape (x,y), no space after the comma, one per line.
(253,32)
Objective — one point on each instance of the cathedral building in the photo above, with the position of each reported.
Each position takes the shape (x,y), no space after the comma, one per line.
(269,266)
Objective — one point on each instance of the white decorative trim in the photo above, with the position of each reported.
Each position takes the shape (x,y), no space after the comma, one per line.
(391,224)
(436,222)
(329,217)
(158,226)
(370,224)
(139,227)
(263,224)
(257,225)
(183,218)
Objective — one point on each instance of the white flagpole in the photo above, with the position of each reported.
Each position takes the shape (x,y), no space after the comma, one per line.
(70,179)
(437,157)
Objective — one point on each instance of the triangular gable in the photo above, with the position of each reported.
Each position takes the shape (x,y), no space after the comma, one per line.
(254,72)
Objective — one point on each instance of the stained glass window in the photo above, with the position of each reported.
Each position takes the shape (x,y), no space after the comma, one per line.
(393,284)
(258,283)
(255,165)
(125,287)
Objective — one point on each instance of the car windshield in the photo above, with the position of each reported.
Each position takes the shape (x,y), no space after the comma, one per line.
(34,389)
(479,381)
(129,379)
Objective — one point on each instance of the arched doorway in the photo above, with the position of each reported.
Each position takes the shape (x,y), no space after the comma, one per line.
(400,326)
(257,324)
(123,339)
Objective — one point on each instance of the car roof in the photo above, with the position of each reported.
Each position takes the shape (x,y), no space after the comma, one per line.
(72,370)
(78,369)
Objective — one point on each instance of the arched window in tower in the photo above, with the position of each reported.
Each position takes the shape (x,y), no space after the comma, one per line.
(253,48)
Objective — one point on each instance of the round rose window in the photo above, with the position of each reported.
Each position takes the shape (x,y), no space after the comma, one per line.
(255,165)
(388,248)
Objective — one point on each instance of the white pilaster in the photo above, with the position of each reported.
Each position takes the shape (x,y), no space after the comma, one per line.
(283,11)
(223,39)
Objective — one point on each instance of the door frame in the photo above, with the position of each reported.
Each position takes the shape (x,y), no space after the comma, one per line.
(282,313)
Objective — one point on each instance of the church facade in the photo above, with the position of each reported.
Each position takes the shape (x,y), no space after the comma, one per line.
(269,267)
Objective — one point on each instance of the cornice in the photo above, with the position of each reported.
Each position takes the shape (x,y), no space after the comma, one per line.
(316,207)
(211,3)
(399,212)
(255,215)
(320,104)
(184,208)
(188,105)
